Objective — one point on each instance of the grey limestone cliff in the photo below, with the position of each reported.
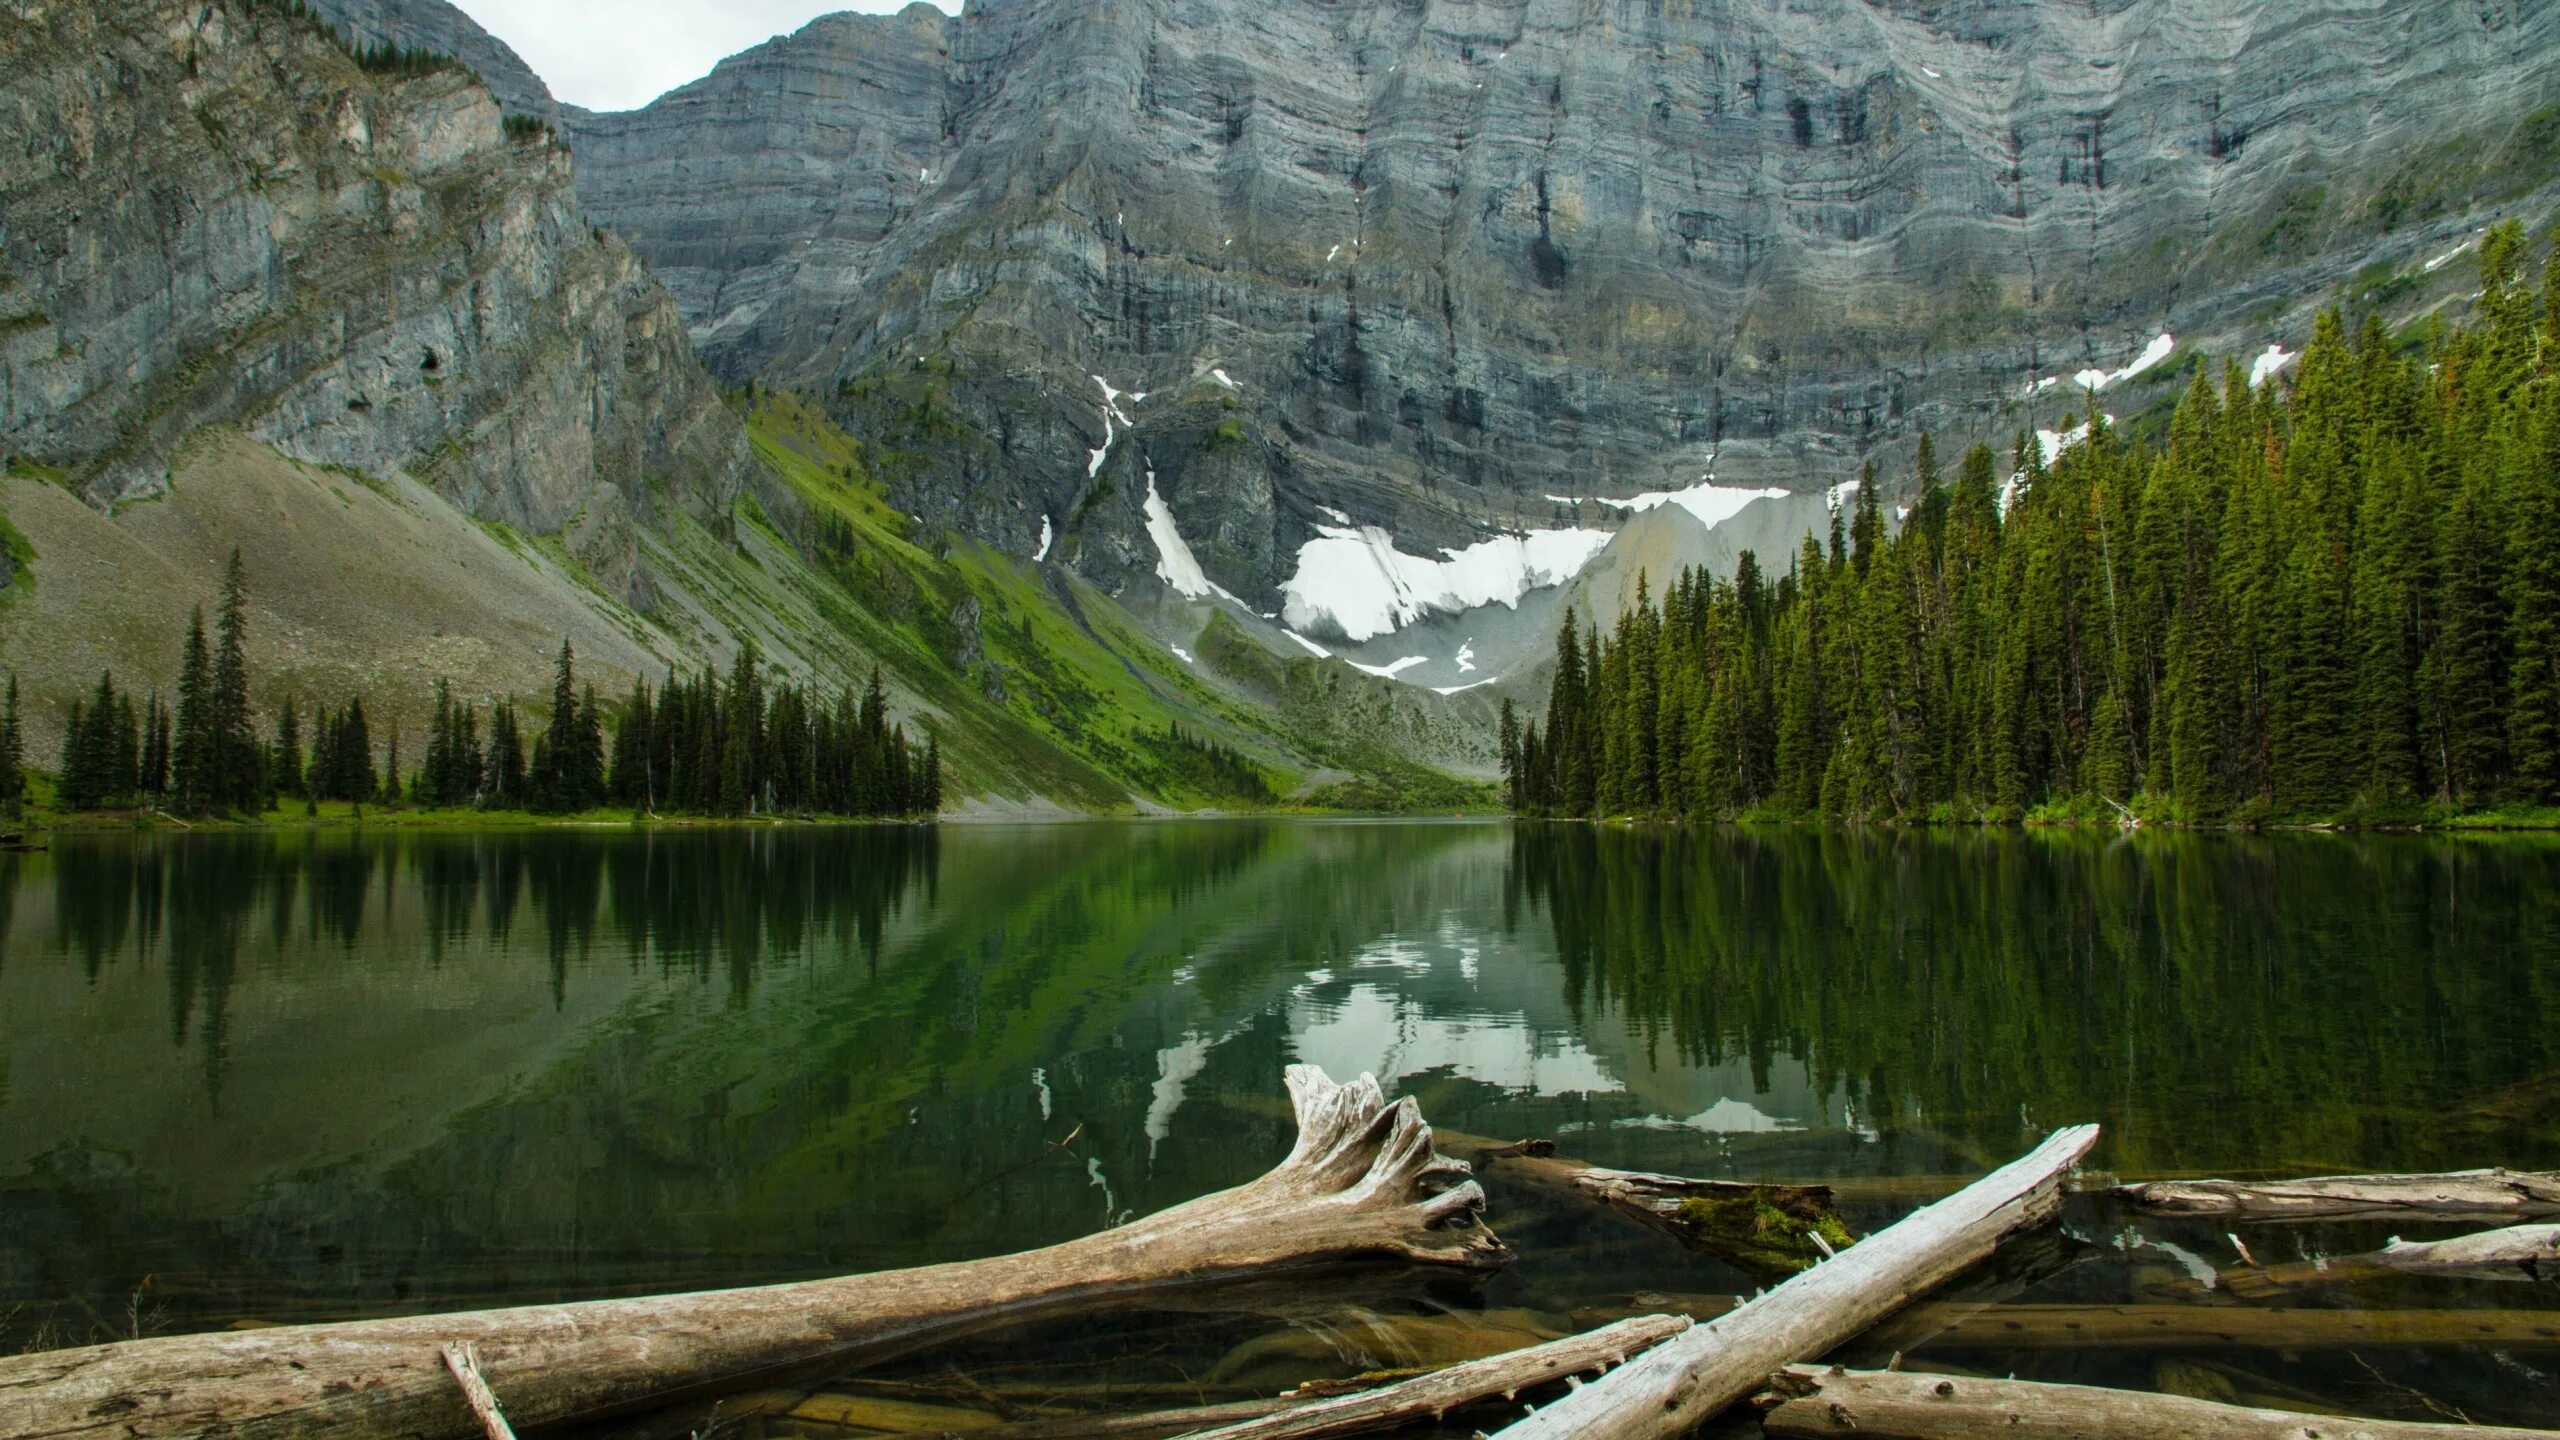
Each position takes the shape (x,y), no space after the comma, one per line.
(1430,262)
(437,27)
(214,217)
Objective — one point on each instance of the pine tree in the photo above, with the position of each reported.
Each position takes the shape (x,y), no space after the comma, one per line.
(635,779)
(13,755)
(506,765)
(193,759)
(1508,741)
(236,781)
(740,770)
(2533,611)
(153,782)
(285,766)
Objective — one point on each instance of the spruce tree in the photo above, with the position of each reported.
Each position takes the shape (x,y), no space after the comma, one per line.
(13,754)
(634,781)
(193,759)
(285,768)
(236,782)
(2533,613)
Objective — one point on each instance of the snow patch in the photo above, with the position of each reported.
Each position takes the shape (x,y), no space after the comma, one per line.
(1359,581)
(2161,348)
(1183,655)
(1932,74)
(1330,254)
(1175,564)
(1224,379)
(1713,504)
(2269,364)
(1467,656)
(1313,648)
(1463,689)
(1389,672)
(2447,257)
(1047,536)
(1336,516)
(2049,447)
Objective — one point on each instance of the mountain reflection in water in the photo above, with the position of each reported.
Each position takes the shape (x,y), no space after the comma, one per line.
(317,1075)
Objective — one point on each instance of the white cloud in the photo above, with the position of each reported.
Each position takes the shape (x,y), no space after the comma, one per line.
(622,54)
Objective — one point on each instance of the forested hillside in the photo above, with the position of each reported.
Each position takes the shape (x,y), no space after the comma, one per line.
(2337,601)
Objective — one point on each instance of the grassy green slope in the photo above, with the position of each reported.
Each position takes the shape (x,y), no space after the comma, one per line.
(1043,685)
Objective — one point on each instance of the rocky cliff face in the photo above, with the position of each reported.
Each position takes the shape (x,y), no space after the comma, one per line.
(1430,262)
(433,25)
(215,218)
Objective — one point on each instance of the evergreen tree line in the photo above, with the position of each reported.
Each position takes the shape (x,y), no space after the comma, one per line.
(2341,602)
(699,745)
(1209,766)
(746,746)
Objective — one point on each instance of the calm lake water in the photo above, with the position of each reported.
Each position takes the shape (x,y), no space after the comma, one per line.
(272,1078)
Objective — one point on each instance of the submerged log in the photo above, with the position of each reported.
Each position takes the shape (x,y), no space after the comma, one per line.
(2520,1252)
(1894,1405)
(2490,1194)
(1677,1386)
(1766,1229)
(1429,1397)
(1969,1326)
(1363,1186)
(2206,1327)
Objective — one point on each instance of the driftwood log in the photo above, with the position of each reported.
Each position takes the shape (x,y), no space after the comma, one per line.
(1363,1186)
(2477,1194)
(1896,1405)
(2519,1252)
(1675,1387)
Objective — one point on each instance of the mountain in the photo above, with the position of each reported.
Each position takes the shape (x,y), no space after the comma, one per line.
(1429,263)
(270,288)
(438,28)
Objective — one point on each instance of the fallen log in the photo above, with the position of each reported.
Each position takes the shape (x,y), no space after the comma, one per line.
(1676,1386)
(2479,1194)
(1429,1397)
(1892,1405)
(2519,1252)
(1362,1186)
(1537,1162)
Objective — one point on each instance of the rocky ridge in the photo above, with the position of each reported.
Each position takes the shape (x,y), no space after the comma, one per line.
(216,218)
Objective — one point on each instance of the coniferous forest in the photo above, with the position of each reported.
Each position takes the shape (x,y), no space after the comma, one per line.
(2337,600)
(746,745)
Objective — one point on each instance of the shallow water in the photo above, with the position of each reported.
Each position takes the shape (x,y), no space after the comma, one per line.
(252,1078)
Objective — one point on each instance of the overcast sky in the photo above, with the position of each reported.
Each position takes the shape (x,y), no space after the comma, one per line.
(622,54)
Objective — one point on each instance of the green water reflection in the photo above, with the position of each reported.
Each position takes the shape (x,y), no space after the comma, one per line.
(323,1075)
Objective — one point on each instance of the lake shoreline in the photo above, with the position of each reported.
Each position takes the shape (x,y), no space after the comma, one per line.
(515,821)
